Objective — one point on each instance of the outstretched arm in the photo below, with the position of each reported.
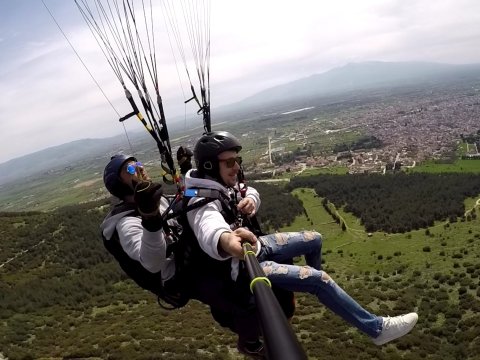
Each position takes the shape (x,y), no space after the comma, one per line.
(231,242)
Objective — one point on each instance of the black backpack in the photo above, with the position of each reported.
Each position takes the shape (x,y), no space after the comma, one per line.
(173,292)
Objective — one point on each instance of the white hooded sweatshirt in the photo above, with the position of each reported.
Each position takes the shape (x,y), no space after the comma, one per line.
(148,248)
(207,221)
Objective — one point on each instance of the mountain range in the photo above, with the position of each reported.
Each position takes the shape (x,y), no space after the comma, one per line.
(363,76)
(351,77)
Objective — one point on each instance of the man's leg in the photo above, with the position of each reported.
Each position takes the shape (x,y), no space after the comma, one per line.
(320,284)
(280,247)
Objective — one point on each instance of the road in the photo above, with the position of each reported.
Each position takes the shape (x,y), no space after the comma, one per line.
(19,254)
(271,180)
(303,168)
(477,204)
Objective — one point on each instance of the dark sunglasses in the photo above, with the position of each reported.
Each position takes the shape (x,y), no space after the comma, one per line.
(132,167)
(231,162)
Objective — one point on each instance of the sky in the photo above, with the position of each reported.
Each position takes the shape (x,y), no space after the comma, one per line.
(48,98)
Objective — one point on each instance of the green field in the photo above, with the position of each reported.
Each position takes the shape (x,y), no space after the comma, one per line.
(363,249)
(460,166)
(333,170)
(355,251)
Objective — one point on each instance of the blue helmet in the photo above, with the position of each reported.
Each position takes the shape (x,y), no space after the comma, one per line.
(111,176)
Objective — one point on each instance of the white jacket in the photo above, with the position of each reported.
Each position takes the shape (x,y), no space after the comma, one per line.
(149,248)
(207,221)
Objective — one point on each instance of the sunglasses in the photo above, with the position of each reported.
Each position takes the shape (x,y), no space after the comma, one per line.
(132,167)
(231,162)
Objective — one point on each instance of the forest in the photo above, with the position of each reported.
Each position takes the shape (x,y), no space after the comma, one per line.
(396,203)
(279,207)
(364,142)
(63,296)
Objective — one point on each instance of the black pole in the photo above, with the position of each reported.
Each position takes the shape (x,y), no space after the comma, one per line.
(280,340)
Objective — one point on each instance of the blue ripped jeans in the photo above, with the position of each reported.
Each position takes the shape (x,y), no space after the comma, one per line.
(280,247)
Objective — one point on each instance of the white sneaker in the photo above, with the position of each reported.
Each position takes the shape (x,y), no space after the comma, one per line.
(395,327)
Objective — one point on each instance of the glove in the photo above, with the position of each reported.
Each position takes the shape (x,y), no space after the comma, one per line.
(182,153)
(147,198)
(184,158)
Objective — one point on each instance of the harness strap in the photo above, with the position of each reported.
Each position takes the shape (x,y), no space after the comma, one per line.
(124,206)
(207,195)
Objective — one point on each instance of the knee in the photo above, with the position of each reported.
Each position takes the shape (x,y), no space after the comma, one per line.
(314,237)
(318,239)
(325,277)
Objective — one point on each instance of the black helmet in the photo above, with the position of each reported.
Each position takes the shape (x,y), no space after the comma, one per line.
(208,148)
(111,176)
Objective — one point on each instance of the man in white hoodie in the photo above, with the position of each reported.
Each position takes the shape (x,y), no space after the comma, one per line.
(221,231)
(134,231)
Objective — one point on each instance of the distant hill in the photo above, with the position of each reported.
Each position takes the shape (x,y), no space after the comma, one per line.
(58,157)
(361,76)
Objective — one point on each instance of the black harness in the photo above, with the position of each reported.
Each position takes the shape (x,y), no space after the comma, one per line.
(171,292)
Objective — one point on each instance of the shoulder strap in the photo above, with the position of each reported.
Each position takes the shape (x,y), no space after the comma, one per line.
(207,195)
(122,207)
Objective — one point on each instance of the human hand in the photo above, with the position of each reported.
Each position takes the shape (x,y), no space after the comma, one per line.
(147,197)
(231,242)
(142,173)
(247,206)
